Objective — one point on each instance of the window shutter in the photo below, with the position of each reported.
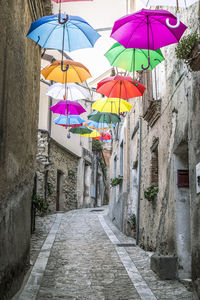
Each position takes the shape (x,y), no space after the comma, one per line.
(183,178)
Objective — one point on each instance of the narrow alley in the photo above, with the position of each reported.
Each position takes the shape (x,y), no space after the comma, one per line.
(82,255)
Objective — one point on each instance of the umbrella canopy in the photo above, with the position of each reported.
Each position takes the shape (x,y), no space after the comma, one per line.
(52,32)
(108,118)
(120,87)
(131,59)
(74,91)
(104,136)
(93,134)
(96,125)
(80,130)
(112,105)
(181,3)
(64,107)
(147,29)
(75,72)
(69,121)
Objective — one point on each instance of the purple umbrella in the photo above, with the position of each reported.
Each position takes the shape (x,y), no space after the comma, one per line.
(147,29)
(66,107)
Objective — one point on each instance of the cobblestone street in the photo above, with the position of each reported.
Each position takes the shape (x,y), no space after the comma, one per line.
(76,255)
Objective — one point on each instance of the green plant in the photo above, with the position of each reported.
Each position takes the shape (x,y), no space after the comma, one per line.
(132,221)
(185,46)
(71,173)
(117,180)
(50,188)
(40,204)
(151,192)
(96,145)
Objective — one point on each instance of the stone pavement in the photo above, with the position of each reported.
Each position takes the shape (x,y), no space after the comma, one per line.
(81,260)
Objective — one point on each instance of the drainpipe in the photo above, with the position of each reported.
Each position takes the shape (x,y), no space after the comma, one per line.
(139,182)
(96,185)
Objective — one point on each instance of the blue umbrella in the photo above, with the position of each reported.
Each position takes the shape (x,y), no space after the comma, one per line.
(74,33)
(70,120)
(96,125)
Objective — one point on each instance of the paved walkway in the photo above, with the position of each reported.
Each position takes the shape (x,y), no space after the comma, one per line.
(77,256)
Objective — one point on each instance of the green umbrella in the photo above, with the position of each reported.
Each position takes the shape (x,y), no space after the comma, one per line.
(108,118)
(80,130)
(131,59)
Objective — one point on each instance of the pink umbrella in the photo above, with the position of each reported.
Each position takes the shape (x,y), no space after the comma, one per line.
(58,1)
(66,107)
(147,29)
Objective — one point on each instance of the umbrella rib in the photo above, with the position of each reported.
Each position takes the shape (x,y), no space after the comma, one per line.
(134,29)
(50,33)
(125,89)
(84,32)
(167,27)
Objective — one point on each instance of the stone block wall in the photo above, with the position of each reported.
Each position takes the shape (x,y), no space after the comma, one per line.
(19,97)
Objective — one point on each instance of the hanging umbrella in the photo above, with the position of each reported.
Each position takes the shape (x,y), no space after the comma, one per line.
(112,105)
(62,32)
(93,134)
(147,29)
(74,91)
(120,87)
(108,118)
(131,59)
(96,125)
(104,136)
(80,130)
(177,3)
(64,107)
(74,72)
(69,121)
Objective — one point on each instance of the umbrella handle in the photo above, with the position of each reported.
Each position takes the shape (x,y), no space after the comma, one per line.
(145,68)
(177,23)
(135,82)
(60,19)
(64,70)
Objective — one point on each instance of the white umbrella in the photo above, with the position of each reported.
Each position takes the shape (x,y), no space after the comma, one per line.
(177,3)
(181,3)
(73,91)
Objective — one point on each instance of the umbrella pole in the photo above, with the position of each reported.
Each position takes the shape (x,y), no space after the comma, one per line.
(134,81)
(142,66)
(60,17)
(177,17)
(63,45)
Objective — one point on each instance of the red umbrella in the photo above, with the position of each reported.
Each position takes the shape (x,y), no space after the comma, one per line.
(120,87)
(104,137)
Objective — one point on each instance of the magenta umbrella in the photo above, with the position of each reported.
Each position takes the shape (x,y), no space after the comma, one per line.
(66,107)
(147,29)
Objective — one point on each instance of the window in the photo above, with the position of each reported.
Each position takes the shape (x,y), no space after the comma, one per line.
(154,163)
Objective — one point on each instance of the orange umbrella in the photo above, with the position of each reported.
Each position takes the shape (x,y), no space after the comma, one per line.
(66,71)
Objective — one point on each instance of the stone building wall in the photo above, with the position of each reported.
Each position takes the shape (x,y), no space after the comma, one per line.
(19,97)
(170,142)
(56,172)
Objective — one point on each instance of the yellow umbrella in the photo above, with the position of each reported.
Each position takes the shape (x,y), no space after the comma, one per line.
(94,133)
(112,105)
(70,71)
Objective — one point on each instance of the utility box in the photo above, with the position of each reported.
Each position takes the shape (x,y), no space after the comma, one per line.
(164,266)
(183,178)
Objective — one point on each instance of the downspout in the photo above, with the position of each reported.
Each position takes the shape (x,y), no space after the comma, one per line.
(96,187)
(139,182)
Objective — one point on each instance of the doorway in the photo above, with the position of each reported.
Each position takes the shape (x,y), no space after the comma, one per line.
(182,209)
(59,190)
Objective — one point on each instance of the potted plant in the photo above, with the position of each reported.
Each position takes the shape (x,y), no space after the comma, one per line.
(150,193)
(188,49)
(132,221)
(115,181)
